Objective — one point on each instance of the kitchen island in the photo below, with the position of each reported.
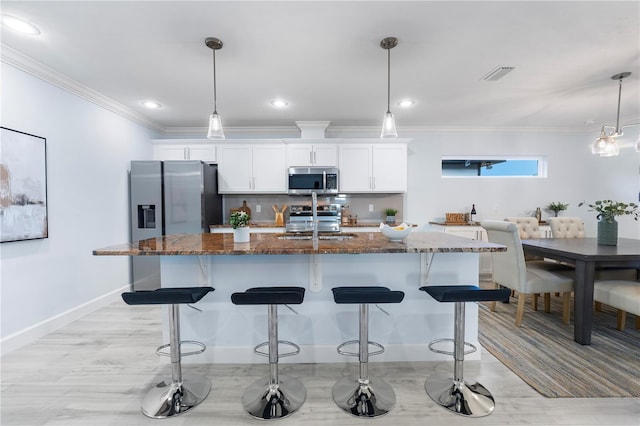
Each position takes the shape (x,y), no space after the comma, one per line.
(270,259)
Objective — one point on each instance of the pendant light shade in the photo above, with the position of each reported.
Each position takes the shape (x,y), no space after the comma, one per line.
(388,122)
(215,121)
(606,145)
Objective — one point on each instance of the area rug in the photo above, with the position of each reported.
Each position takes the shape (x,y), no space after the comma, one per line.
(543,353)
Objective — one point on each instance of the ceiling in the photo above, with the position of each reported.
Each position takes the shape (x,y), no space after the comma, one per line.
(325,59)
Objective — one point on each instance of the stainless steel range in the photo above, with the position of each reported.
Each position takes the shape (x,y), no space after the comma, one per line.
(301,218)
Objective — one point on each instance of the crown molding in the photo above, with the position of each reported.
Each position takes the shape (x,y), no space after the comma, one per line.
(24,63)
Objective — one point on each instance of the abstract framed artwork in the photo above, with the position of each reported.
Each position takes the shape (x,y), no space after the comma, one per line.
(23,186)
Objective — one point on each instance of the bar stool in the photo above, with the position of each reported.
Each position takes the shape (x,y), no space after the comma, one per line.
(455,394)
(364,396)
(179,395)
(276,396)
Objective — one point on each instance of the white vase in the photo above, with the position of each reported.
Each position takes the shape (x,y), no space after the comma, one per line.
(241,235)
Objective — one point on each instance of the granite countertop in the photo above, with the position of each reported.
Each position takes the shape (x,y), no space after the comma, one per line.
(273,225)
(270,243)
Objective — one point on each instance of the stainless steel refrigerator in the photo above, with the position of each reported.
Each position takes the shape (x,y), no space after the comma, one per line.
(169,197)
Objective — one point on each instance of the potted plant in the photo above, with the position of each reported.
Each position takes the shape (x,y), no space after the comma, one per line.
(607,211)
(557,207)
(391,215)
(239,221)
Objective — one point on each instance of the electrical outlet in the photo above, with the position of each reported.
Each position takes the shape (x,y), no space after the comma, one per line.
(258,208)
(370,207)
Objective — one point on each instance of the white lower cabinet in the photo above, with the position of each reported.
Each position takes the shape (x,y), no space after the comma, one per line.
(477,233)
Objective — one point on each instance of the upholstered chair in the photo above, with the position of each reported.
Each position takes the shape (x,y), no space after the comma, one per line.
(566,227)
(528,227)
(525,278)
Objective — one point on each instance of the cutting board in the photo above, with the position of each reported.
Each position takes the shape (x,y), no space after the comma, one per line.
(244,208)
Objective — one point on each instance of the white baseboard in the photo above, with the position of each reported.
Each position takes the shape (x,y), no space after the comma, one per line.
(24,337)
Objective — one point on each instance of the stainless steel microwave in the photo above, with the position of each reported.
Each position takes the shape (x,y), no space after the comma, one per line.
(305,180)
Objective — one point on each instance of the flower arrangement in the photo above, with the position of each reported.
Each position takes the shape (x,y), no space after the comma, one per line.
(556,207)
(609,209)
(239,219)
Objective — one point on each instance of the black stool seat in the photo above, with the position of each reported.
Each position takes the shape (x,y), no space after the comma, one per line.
(367,294)
(269,296)
(166,296)
(466,293)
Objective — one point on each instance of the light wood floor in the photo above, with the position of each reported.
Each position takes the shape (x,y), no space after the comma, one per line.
(95,371)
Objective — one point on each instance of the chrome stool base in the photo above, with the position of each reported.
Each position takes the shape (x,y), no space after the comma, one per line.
(171,399)
(368,398)
(265,401)
(460,397)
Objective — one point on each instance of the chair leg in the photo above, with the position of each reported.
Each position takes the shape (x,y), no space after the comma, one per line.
(566,307)
(276,396)
(598,306)
(534,301)
(637,322)
(181,395)
(621,319)
(458,395)
(547,302)
(520,309)
(364,396)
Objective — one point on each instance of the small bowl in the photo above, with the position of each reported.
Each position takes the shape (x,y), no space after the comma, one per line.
(395,233)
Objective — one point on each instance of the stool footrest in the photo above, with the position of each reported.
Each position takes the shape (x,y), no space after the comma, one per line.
(201,345)
(357,342)
(439,351)
(296,350)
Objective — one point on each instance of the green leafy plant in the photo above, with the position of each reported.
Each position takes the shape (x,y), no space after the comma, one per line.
(556,207)
(390,212)
(239,219)
(609,209)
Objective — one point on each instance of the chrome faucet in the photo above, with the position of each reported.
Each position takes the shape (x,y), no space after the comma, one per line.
(314,213)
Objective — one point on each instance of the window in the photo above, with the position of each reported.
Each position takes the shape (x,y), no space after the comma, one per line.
(503,166)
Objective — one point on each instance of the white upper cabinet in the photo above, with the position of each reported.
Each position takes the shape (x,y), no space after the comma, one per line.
(378,167)
(184,150)
(252,168)
(307,154)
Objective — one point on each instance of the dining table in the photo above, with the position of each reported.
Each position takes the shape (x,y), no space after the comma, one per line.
(586,255)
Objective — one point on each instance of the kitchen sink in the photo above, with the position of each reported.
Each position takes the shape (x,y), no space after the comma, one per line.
(328,236)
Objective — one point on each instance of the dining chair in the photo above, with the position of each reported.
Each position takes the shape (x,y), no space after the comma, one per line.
(525,278)
(566,227)
(528,228)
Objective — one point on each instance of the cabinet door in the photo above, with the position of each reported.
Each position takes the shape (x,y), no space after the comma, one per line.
(325,155)
(169,152)
(355,167)
(299,155)
(234,169)
(204,152)
(389,168)
(269,168)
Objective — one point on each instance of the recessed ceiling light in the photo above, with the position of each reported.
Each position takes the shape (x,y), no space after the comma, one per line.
(19,25)
(151,104)
(279,103)
(406,103)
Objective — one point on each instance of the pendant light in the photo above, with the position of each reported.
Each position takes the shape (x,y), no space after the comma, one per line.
(606,145)
(388,122)
(215,121)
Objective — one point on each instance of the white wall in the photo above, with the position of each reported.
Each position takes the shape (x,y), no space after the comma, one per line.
(574,175)
(88,154)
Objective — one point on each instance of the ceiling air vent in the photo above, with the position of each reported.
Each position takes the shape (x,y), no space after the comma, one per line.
(497,73)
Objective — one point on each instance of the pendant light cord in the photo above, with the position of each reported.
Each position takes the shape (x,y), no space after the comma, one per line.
(388,81)
(618,115)
(215,105)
